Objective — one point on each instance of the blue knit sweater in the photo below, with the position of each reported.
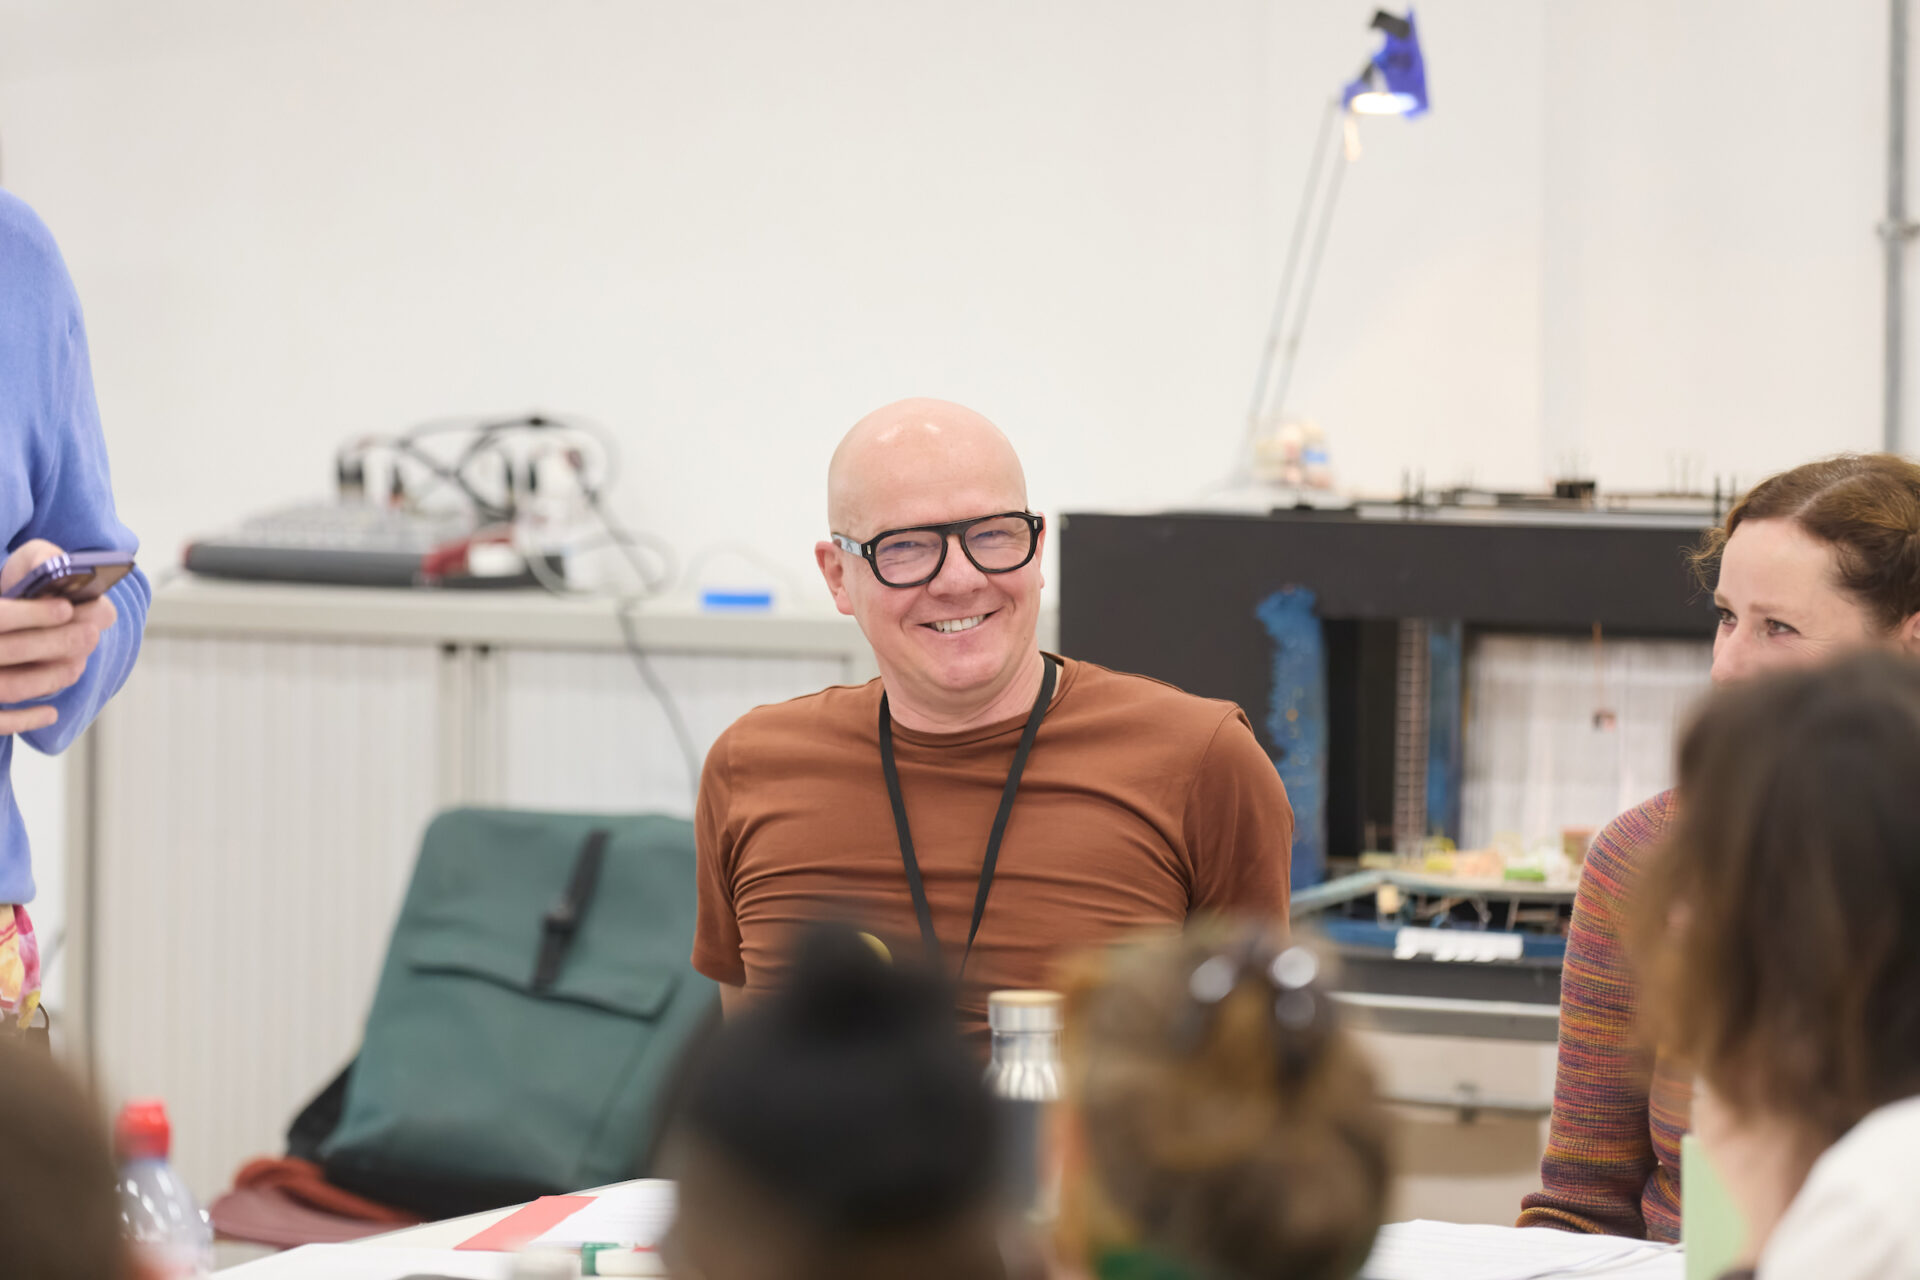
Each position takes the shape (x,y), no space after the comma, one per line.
(53,485)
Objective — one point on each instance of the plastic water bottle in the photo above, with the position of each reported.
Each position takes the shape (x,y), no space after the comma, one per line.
(170,1235)
(1024,1079)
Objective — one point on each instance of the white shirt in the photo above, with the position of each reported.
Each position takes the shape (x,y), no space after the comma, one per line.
(1858,1214)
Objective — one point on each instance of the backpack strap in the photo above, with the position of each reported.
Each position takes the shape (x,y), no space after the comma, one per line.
(562,920)
(319,1118)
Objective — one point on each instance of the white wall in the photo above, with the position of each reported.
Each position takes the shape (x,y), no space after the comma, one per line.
(1714,173)
(726,230)
(1423,348)
(1631,232)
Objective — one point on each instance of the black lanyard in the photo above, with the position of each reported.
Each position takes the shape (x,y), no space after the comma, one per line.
(920,907)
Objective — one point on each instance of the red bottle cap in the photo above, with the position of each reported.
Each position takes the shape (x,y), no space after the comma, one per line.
(142,1131)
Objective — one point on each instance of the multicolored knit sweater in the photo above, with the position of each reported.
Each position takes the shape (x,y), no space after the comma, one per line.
(1613,1151)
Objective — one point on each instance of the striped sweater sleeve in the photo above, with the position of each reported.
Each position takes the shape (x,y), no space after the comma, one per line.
(1601,1167)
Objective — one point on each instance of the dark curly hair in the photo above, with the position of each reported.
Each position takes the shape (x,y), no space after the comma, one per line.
(845,1113)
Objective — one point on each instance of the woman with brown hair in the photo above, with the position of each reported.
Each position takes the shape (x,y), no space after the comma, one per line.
(1218,1123)
(1775,934)
(1811,564)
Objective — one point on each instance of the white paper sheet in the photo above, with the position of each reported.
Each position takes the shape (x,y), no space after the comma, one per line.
(636,1214)
(1423,1250)
(373,1262)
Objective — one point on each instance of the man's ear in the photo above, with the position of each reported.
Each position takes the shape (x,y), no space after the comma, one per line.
(833,567)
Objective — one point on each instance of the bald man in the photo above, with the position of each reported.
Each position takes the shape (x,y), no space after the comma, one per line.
(982,802)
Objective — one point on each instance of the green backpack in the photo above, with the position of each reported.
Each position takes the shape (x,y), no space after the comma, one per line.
(536,995)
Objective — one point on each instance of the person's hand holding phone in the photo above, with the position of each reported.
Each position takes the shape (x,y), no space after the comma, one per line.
(44,643)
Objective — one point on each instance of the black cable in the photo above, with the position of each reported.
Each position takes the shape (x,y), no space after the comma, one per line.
(602,437)
(401,447)
(629,547)
(651,584)
(688,754)
(623,614)
(483,431)
(483,440)
(489,512)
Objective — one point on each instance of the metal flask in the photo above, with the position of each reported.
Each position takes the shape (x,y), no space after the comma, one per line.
(1024,1078)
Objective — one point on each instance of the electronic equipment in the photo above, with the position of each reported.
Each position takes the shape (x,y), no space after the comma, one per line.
(468,503)
(445,504)
(365,545)
(77,575)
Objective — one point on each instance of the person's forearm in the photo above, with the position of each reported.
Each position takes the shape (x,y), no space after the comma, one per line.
(107,670)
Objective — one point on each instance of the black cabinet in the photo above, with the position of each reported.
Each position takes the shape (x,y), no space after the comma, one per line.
(1176,596)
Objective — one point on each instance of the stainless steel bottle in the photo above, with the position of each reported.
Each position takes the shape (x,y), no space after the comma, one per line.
(1024,1079)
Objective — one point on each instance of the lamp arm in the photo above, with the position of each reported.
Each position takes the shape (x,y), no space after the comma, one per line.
(1306,289)
(1256,410)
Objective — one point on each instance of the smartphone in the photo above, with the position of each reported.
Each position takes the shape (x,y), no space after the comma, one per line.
(77,575)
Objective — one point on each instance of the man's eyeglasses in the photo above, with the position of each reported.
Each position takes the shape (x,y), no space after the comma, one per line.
(911,557)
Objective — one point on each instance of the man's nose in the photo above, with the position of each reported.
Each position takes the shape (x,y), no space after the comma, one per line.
(958,574)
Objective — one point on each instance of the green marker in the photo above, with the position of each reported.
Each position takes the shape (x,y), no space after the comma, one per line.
(614,1260)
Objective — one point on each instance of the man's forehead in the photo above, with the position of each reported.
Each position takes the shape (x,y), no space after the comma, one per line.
(912,509)
(922,468)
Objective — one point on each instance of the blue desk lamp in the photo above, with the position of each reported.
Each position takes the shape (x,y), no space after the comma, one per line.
(1393,82)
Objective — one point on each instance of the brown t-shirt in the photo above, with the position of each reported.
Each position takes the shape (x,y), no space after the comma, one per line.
(1140,805)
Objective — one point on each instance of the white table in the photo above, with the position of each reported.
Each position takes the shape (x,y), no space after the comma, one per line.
(450,1233)
(1433,1250)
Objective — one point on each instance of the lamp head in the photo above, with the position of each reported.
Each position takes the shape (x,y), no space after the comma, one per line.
(1394,80)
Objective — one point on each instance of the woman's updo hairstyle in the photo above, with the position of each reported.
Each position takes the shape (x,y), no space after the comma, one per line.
(1864,505)
(1230,1126)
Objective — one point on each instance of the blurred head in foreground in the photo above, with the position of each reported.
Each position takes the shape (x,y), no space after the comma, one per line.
(837,1128)
(1220,1126)
(1776,927)
(58,1216)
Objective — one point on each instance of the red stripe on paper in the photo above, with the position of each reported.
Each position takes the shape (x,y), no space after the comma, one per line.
(521,1228)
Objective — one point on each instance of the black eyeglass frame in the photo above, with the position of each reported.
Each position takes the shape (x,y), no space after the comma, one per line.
(1036,525)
